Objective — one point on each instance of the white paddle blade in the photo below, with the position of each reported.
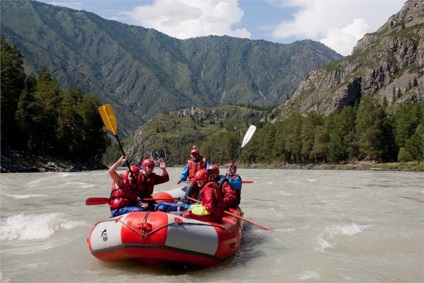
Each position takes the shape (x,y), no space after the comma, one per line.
(248,135)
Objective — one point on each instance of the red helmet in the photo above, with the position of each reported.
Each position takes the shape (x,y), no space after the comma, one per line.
(147,162)
(201,175)
(233,165)
(213,167)
(134,170)
(195,151)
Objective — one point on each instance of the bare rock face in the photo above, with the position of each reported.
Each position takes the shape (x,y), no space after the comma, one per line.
(387,65)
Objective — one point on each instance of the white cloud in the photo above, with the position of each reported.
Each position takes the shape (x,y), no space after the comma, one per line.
(190,18)
(343,40)
(337,23)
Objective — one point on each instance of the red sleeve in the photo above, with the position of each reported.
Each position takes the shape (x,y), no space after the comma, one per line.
(161,179)
(208,198)
(229,194)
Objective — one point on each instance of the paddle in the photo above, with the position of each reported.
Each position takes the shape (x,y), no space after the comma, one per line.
(238,216)
(246,139)
(109,119)
(243,181)
(104,200)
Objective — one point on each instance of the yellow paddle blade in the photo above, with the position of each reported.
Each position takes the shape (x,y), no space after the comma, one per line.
(108,117)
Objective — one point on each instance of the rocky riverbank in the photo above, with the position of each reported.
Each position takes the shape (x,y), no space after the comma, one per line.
(13,161)
(355,165)
(19,162)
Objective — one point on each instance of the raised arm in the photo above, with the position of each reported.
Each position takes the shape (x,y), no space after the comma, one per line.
(112,170)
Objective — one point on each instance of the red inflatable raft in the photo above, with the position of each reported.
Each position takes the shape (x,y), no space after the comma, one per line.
(157,238)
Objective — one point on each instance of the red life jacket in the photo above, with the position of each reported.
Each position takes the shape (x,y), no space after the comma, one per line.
(122,196)
(147,183)
(193,167)
(212,199)
(237,193)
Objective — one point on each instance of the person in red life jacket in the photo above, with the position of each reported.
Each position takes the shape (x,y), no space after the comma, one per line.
(123,197)
(235,181)
(229,194)
(148,179)
(196,163)
(211,207)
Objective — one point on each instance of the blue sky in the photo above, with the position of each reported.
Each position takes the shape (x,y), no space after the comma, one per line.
(339,24)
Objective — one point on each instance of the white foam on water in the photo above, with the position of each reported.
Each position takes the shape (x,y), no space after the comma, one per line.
(335,233)
(277,213)
(24,196)
(38,181)
(76,185)
(286,230)
(35,227)
(285,193)
(309,274)
(3,278)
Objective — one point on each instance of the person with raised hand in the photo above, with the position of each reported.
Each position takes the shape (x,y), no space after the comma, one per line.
(148,179)
(124,193)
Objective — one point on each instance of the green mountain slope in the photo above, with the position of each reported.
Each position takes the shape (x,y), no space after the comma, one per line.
(143,72)
(177,132)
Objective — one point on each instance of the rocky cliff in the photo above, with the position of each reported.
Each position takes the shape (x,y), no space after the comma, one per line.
(387,64)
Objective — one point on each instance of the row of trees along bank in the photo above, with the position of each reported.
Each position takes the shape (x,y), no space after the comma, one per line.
(38,117)
(362,132)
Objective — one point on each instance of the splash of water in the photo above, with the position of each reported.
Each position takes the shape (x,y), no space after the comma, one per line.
(35,227)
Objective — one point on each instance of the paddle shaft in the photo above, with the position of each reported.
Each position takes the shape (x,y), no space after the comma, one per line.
(104,200)
(238,216)
(243,182)
(128,164)
(234,161)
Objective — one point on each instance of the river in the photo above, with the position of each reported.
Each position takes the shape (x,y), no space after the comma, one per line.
(330,226)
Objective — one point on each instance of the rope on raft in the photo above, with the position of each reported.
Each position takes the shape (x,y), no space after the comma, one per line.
(144,234)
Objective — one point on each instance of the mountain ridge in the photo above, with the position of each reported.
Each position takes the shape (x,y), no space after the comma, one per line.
(384,64)
(143,72)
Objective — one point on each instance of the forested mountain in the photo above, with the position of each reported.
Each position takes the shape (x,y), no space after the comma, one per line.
(367,106)
(142,72)
(40,118)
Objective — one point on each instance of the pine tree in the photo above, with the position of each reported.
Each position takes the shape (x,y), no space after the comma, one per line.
(69,124)
(267,139)
(92,137)
(376,140)
(45,113)
(281,154)
(12,84)
(345,123)
(293,144)
(321,144)
(24,113)
(310,122)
